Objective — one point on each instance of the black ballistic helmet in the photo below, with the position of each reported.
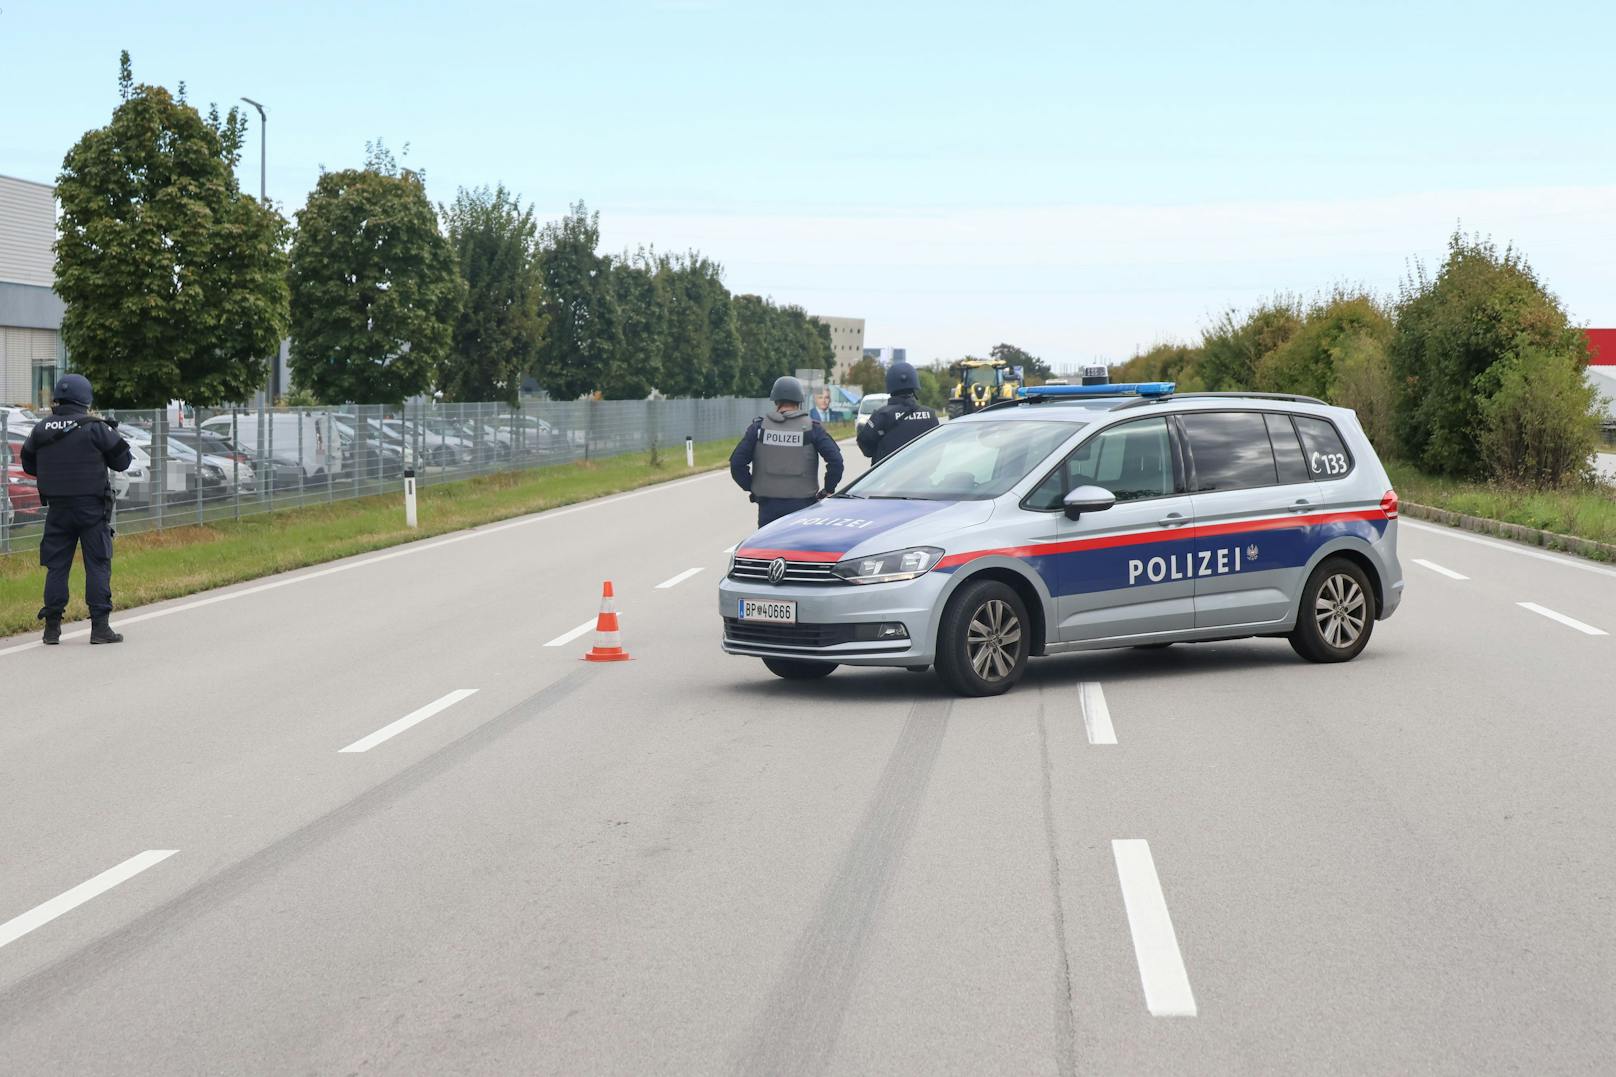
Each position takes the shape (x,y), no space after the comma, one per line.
(787,389)
(902,378)
(74,389)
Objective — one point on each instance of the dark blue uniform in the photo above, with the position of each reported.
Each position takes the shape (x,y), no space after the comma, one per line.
(898,422)
(771,509)
(69,452)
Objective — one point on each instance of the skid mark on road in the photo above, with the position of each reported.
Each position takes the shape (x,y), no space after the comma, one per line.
(58,981)
(1065,1019)
(797,1028)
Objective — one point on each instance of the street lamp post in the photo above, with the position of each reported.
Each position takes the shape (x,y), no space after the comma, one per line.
(274,360)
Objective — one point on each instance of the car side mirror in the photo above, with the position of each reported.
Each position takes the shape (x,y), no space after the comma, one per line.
(1087,499)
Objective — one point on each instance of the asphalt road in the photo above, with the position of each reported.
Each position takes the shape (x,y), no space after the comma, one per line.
(682,865)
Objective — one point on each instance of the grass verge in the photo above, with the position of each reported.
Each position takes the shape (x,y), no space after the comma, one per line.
(158,565)
(1584,511)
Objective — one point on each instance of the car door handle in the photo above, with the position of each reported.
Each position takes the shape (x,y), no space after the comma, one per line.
(1173,519)
(1301,504)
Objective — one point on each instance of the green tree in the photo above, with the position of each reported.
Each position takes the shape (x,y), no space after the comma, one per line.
(769,344)
(642,305)
(175,281)
(1232,348)
(1035,369)
(1177,363)
(375,290)
(1361,379)
(1539,426)
(1453,329)
(704,344)
(1306,362)
(499,332)
(867,374)
(585,328)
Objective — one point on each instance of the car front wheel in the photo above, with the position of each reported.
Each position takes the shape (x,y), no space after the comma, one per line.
(983,642)
(1337,614)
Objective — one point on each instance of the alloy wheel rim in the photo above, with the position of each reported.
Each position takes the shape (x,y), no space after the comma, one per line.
(993,640)
(1341,610)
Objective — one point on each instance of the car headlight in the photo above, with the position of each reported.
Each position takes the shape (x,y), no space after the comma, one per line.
(889,567)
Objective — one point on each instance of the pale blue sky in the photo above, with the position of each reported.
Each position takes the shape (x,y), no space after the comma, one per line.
(1076,178)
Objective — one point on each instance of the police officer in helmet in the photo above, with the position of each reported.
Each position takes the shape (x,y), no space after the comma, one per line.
(777,460)
(900,420)
(69,453)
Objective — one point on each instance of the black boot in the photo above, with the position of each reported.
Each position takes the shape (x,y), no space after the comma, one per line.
(101,632)
(53,629)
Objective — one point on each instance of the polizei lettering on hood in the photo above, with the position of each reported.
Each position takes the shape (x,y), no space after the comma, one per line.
(1189,566)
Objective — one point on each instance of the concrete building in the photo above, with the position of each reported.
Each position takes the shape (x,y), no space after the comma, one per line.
(887,356)
(30,313)
(847,338)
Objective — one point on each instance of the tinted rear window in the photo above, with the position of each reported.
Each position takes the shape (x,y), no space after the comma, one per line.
(1287,450)
(1231,450)
(1327,455)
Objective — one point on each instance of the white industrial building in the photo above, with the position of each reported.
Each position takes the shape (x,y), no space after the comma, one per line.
(31,351)
(847,339)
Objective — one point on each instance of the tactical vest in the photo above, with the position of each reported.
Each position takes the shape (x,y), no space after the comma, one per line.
(68,461)
(784,463)
(909,418)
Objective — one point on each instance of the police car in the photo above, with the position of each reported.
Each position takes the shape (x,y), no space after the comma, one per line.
(1077,518)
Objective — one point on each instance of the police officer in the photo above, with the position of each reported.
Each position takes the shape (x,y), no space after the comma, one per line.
(900,420)
(777,460)
(69,452)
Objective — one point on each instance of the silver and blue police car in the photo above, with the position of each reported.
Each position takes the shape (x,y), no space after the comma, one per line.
(1076,518)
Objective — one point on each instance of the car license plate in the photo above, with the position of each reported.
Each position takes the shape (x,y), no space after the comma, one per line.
(779,612)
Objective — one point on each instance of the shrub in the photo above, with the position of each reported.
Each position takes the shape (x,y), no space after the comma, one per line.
(1538,426)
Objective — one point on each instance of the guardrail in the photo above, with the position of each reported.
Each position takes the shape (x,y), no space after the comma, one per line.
(218,464)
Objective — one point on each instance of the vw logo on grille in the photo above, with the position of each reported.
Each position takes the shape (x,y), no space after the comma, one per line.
(777,570)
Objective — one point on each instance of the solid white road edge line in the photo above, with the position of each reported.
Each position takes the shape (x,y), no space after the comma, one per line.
(393,729)
(40,915)
(1096,715)
(1438,569)
(1155,946)
(1569,622)
(402,551)
(572,634)
(1510,547)
(675,581)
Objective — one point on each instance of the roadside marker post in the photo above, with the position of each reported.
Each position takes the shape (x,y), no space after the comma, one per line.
(690,451)
(409,498)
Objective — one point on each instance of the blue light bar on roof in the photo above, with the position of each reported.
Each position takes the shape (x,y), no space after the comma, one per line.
(1143,388)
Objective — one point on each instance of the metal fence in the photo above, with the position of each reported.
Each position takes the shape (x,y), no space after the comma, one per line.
(225,464)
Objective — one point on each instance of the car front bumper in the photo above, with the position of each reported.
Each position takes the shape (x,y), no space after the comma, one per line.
(836,620)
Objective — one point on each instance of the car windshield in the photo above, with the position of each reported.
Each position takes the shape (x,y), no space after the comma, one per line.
(982,375)
(870,405)
(968,461)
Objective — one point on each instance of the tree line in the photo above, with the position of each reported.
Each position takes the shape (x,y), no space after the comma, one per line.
(1474,371)
(178,285)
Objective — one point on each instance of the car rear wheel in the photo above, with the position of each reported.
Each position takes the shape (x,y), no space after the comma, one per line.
(983,641)
(797,669)
(1337,613)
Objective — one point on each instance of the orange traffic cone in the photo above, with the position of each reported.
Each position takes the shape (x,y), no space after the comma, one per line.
(608,640)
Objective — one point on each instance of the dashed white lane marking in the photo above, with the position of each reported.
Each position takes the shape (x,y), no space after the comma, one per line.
(675,581)
(1155,946)
(40,915)
(1511,547)
(402,551)
(732,549)
(1439,570)
(1569,622)
(1096,715)
(572,634)
(393,729)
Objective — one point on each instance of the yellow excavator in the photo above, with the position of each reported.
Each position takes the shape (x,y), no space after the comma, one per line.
(980,382)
